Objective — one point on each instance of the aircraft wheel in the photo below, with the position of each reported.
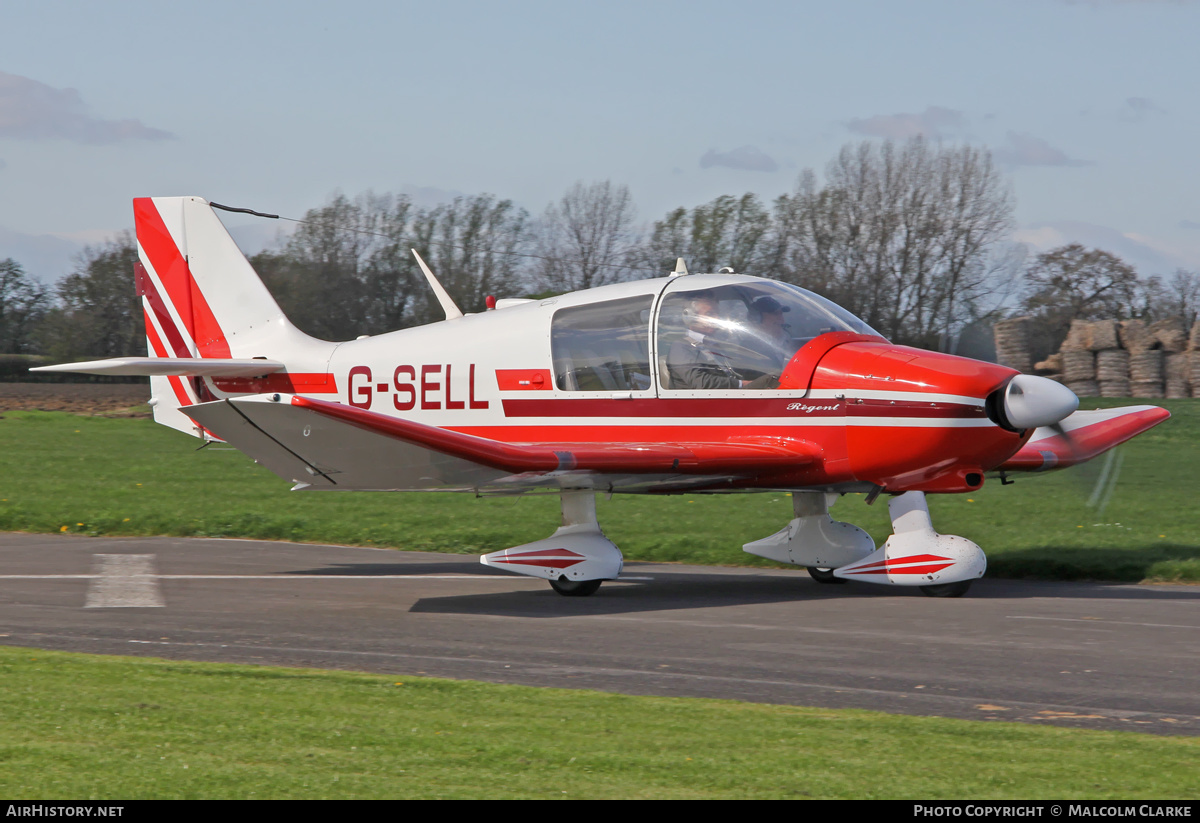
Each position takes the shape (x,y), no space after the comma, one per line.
(825,576)
(575,588)
(947,589)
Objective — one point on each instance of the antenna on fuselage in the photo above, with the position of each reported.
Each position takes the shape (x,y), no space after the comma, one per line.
(680,268)
(448,304)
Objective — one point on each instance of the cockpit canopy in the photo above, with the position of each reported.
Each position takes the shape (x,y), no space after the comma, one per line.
(712,332)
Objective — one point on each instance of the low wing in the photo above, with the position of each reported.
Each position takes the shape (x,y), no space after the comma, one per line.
(170,367)
(321,444)
(1082,436)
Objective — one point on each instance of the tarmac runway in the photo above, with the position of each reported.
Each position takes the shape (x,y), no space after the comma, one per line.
(1100,656)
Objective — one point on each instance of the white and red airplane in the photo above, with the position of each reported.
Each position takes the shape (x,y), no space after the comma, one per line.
(687,383)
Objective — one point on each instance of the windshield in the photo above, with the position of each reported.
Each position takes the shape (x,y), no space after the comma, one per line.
(741,335)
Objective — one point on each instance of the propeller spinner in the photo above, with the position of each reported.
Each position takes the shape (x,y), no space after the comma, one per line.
(1030,401)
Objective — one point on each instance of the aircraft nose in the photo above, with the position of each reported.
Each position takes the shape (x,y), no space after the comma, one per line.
(1030,401)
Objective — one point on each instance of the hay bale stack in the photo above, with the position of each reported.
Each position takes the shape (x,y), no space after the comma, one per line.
(1112,372)
(1135,337)
(1085,388)
(1194,340)
(1012,344)
(1051,365)
(1104,336)
(1112,364)
(1170,334)
(1146,366)
(1119,387)
(1194,371)
(1079,338)
(1079,366)
(1146,373)
(1178,374)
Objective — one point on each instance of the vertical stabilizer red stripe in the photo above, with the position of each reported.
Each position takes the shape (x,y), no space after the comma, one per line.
(156,348)
(173,272)
(150,294)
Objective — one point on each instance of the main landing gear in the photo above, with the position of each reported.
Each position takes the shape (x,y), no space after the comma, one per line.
(941,565)
(825,576)
(578,558)
(575,588)
(575,560)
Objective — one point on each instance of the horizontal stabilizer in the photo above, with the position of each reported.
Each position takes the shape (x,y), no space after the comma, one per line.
(1082,436)
(169,367)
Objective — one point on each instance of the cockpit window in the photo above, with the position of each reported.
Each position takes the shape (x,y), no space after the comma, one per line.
(741,336)
(603,346)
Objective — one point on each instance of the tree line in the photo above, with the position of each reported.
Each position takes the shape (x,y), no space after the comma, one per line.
(912,237)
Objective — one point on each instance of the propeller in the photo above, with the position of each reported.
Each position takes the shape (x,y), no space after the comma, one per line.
(1031,402)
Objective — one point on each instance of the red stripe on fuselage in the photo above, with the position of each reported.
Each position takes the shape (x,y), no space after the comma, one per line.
(740,407)
(287,382)
(173,272)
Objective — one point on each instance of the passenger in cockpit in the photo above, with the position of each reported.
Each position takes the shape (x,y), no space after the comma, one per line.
(772,339)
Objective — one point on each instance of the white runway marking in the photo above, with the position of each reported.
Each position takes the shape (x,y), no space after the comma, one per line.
(1101,621)
(130,581)
(124,581)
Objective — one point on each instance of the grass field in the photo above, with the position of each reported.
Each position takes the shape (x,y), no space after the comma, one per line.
(102,476)
(88,727)
(81,726)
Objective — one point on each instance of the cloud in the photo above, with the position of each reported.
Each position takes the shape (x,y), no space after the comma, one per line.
(934,122)
(1189,224)
(747,158)
(34,111)
(44,256)
(1149,255)
(1137,109)
(1027,150)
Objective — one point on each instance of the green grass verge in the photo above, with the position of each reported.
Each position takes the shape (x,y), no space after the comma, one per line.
(89,727)
(101,476)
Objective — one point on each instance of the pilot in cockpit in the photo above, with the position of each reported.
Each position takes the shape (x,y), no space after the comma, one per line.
(699,360)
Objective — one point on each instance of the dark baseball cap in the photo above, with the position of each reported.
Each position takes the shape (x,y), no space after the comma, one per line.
(769,305)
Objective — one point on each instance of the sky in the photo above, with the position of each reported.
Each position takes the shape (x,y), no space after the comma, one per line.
(1089,107)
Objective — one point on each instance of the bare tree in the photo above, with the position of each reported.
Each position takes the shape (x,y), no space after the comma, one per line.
(911,236)
(346,270)
(1072,282)
(1075,282)
(584,240)
(475,246)
(728,231)
(1176,296)
(99,313)
(670,238)
(23,304)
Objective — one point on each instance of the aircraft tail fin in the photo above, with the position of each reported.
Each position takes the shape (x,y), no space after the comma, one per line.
(203,300)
